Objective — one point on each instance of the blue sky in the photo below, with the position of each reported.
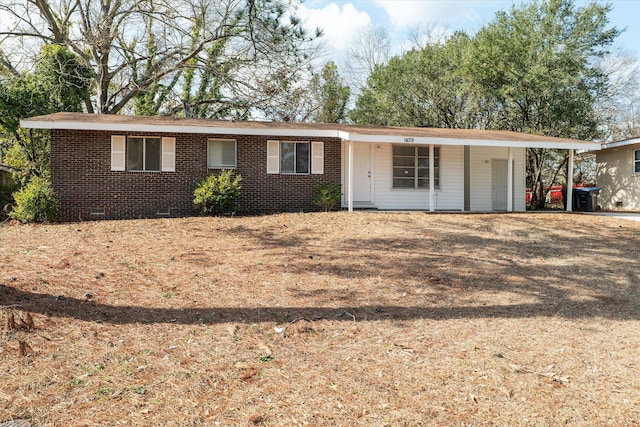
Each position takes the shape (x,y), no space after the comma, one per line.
(341,19)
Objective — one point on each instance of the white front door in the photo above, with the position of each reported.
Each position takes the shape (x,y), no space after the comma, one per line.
(361,173)
(499,185)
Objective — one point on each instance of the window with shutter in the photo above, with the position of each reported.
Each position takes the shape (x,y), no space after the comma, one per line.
(143,153)
(295,157)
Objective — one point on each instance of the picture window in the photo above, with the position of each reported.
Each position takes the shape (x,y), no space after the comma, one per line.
(411,166)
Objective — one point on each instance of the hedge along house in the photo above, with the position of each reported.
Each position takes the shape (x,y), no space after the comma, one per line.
(112,166)
(618,175)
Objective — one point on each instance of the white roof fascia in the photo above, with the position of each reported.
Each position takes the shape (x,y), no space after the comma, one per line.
(310,133)
(151,128)
(578,145)
(622,143)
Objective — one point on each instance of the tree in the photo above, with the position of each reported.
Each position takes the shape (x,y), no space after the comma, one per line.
(314,96)
(622,105)
(369,48)
(59,83)
(331,94)
(535,68)
(423,87)
(207,52)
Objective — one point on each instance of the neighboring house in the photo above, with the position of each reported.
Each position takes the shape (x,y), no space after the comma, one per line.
(618,175)
(112,166)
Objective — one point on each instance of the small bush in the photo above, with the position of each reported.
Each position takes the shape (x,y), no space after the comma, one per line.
(7,187)
(35,202)
(327,195)
(217,194)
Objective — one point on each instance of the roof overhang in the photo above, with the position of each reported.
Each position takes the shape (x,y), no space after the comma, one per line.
(575,144)
(144,127)
(617,144)
(393,135)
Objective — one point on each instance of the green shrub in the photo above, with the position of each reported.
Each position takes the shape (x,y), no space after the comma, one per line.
(8,186)
(327,195)
(217,194)
(35,202)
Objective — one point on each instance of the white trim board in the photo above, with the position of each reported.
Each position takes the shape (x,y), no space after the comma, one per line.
(307,133)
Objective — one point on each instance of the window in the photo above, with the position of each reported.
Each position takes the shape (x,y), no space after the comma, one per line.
(636,161)
(140,153)
(221,154)
(411,166)
(143,154)
(294,157)
(286,157)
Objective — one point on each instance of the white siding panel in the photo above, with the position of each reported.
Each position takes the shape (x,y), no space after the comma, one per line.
(481,157)
(448,197)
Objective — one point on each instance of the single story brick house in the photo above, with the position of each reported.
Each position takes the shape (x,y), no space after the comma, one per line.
(618,175)
(115,166)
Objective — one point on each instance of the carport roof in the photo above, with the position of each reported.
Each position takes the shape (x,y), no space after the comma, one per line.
(357,133)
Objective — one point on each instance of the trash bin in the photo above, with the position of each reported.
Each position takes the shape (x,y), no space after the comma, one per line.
(586,198)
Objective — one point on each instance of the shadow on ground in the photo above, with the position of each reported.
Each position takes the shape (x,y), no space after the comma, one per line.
(88,310)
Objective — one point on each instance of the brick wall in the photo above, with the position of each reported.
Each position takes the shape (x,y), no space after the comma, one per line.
(84,183)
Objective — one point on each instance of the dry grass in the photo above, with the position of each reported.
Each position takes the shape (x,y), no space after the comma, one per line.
(323,319)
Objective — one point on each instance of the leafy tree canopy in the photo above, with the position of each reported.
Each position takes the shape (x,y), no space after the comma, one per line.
(59,82)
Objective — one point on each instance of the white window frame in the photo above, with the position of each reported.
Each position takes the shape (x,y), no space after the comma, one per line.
(636,162)
(221,165)
(316,157)
(436,170)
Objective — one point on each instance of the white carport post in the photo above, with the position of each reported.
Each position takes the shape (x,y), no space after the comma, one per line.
(570,181)
(510,180)
(432,179)
(350,176)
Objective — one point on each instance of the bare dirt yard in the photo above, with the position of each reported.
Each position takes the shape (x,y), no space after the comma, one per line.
(327,319)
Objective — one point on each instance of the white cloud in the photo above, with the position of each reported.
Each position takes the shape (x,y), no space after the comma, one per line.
(339,23)
(404,13)
(408,13)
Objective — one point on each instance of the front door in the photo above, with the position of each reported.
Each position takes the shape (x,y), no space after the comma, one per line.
(499,184)
(361,173)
